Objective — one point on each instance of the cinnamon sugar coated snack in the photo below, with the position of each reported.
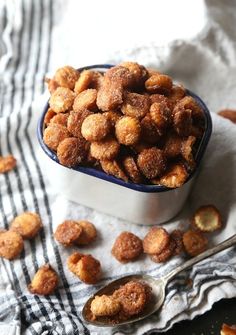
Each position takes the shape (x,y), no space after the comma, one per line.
(11,244)
(7,163)
(207,219)
(127,247)
(45,281)
(27,225)
(128,111)
(123,303)
(156,240)
(86,267)
(88,234)
(68,232)
(194,242)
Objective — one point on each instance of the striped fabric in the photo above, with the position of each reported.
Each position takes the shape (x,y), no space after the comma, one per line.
(25,32)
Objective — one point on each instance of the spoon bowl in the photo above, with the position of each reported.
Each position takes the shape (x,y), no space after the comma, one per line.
(158,296)
(158,287)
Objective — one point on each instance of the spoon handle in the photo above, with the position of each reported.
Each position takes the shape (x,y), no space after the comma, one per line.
(222,246)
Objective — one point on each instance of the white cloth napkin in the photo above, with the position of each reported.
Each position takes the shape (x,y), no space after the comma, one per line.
(206,65)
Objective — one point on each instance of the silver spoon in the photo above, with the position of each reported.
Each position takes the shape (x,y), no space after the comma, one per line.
(158,287)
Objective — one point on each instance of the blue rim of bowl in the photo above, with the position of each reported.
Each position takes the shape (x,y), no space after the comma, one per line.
(102,175)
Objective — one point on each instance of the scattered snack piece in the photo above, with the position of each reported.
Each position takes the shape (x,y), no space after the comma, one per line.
(86,267)
(45,281)
(132,297)
(165,254)
(132,170)
(135,105)
(127,247)
(95,127)
(54,134)
(113,168)
(72,151)
(68,232)
(11,244)
(175,176)
(229,114)
(61,100)
(66,76)
(7,163)
(194,242)
(152,162)
(105,149)
(207,219)
(88,234)
(177,236)
(156,240)
(155,122)
(105,305)
(85,100)
(27,225)
(128,130)
(228,330)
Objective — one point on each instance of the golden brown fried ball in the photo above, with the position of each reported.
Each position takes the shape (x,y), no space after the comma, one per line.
(75,121)
(152,162)
(194,242)
(88,234)
(149,131)
(121,75)
(132,297)
(110,95)
(105,305)
(156,240)
(182,121)
(85,100)
(86,267)
(128,130)
(160,114)
(66,76)
(88,79)
(189,102)
(105,149)
(175,176)
(139,72)
(68,232)
(95,127)
(158,82)
(27,225)
(113,168)
(72,151)
(127,247)
(177,93)
(135,105)
(54,134)
(207,219)
(61,100)
(132,170)
(165,254)
(7,163)
(11,244)
(173,145)
(49,115)
(45,281)
(60,118)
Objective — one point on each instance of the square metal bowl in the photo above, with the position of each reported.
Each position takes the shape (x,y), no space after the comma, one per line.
(137,203)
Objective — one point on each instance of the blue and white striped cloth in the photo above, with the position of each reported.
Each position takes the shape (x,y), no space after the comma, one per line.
(26,28)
